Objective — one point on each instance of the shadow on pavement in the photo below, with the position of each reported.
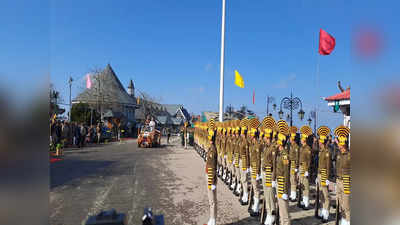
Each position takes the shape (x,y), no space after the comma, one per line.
(247,220)
(309,220)
(67,170)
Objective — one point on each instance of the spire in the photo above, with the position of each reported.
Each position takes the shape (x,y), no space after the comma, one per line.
(131,88)
(131,85)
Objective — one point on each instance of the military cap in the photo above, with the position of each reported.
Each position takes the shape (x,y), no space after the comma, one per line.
(342,133)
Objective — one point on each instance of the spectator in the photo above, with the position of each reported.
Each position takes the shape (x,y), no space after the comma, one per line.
(71,134)
(58,132)
(98,131)
(152,124)
(53,134)
(92,134)
(77,135)
(83,134)
(168,134)
(64,133)
(87,138)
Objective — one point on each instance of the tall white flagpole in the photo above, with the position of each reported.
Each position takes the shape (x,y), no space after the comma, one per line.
(318,95)
(221,82)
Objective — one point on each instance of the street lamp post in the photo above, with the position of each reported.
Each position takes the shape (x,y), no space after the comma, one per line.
(291,103)
(309,121)
(313,115)
(70,100)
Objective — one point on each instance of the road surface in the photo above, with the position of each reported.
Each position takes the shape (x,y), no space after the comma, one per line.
(122,176)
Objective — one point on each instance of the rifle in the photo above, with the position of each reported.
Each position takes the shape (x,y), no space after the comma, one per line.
(263,212)
(250,200)
(317,199)
(317,202)
(337,211)
(236,184)
(299,191)
(277,210)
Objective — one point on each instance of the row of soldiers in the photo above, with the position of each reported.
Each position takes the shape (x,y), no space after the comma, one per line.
(278,157)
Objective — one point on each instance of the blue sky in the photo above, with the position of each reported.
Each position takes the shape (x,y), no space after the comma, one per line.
(171,48)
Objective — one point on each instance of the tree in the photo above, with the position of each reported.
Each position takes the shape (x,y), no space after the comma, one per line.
(54,100)
(243,109)
(81,113)
(149,105)
(242,112)
(103,98)
(229,110)
(99,86)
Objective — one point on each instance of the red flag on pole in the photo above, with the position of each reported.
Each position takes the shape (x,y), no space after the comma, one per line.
(254,95)
(326,43)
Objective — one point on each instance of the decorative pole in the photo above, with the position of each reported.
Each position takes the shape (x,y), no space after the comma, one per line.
(291,108)
(291,103)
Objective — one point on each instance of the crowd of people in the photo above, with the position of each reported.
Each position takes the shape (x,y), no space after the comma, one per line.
(74,134)
(271,162)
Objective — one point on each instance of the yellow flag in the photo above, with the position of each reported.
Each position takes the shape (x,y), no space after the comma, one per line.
(239,79)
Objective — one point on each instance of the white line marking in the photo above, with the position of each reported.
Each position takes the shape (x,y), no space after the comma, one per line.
(130,213)
(99,202)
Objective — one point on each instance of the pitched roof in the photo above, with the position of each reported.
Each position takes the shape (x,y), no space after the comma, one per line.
(185,112)
(156,109)
(176,121)
(164,120)
(173,109)
(341,96)
(161,119)
(110,87)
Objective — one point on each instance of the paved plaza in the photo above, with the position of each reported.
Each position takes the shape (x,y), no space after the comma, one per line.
(122,176)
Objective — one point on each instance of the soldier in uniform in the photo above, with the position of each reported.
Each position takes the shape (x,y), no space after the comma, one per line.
(255,161)
(229,153)
(211,173)
(218,147)
(324,162)
(225,147)
(204,139)
(282,173)
(244,163)
(225,176)
(304,164)
(236,159)
(268,166)
(343,173)
(294,158)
